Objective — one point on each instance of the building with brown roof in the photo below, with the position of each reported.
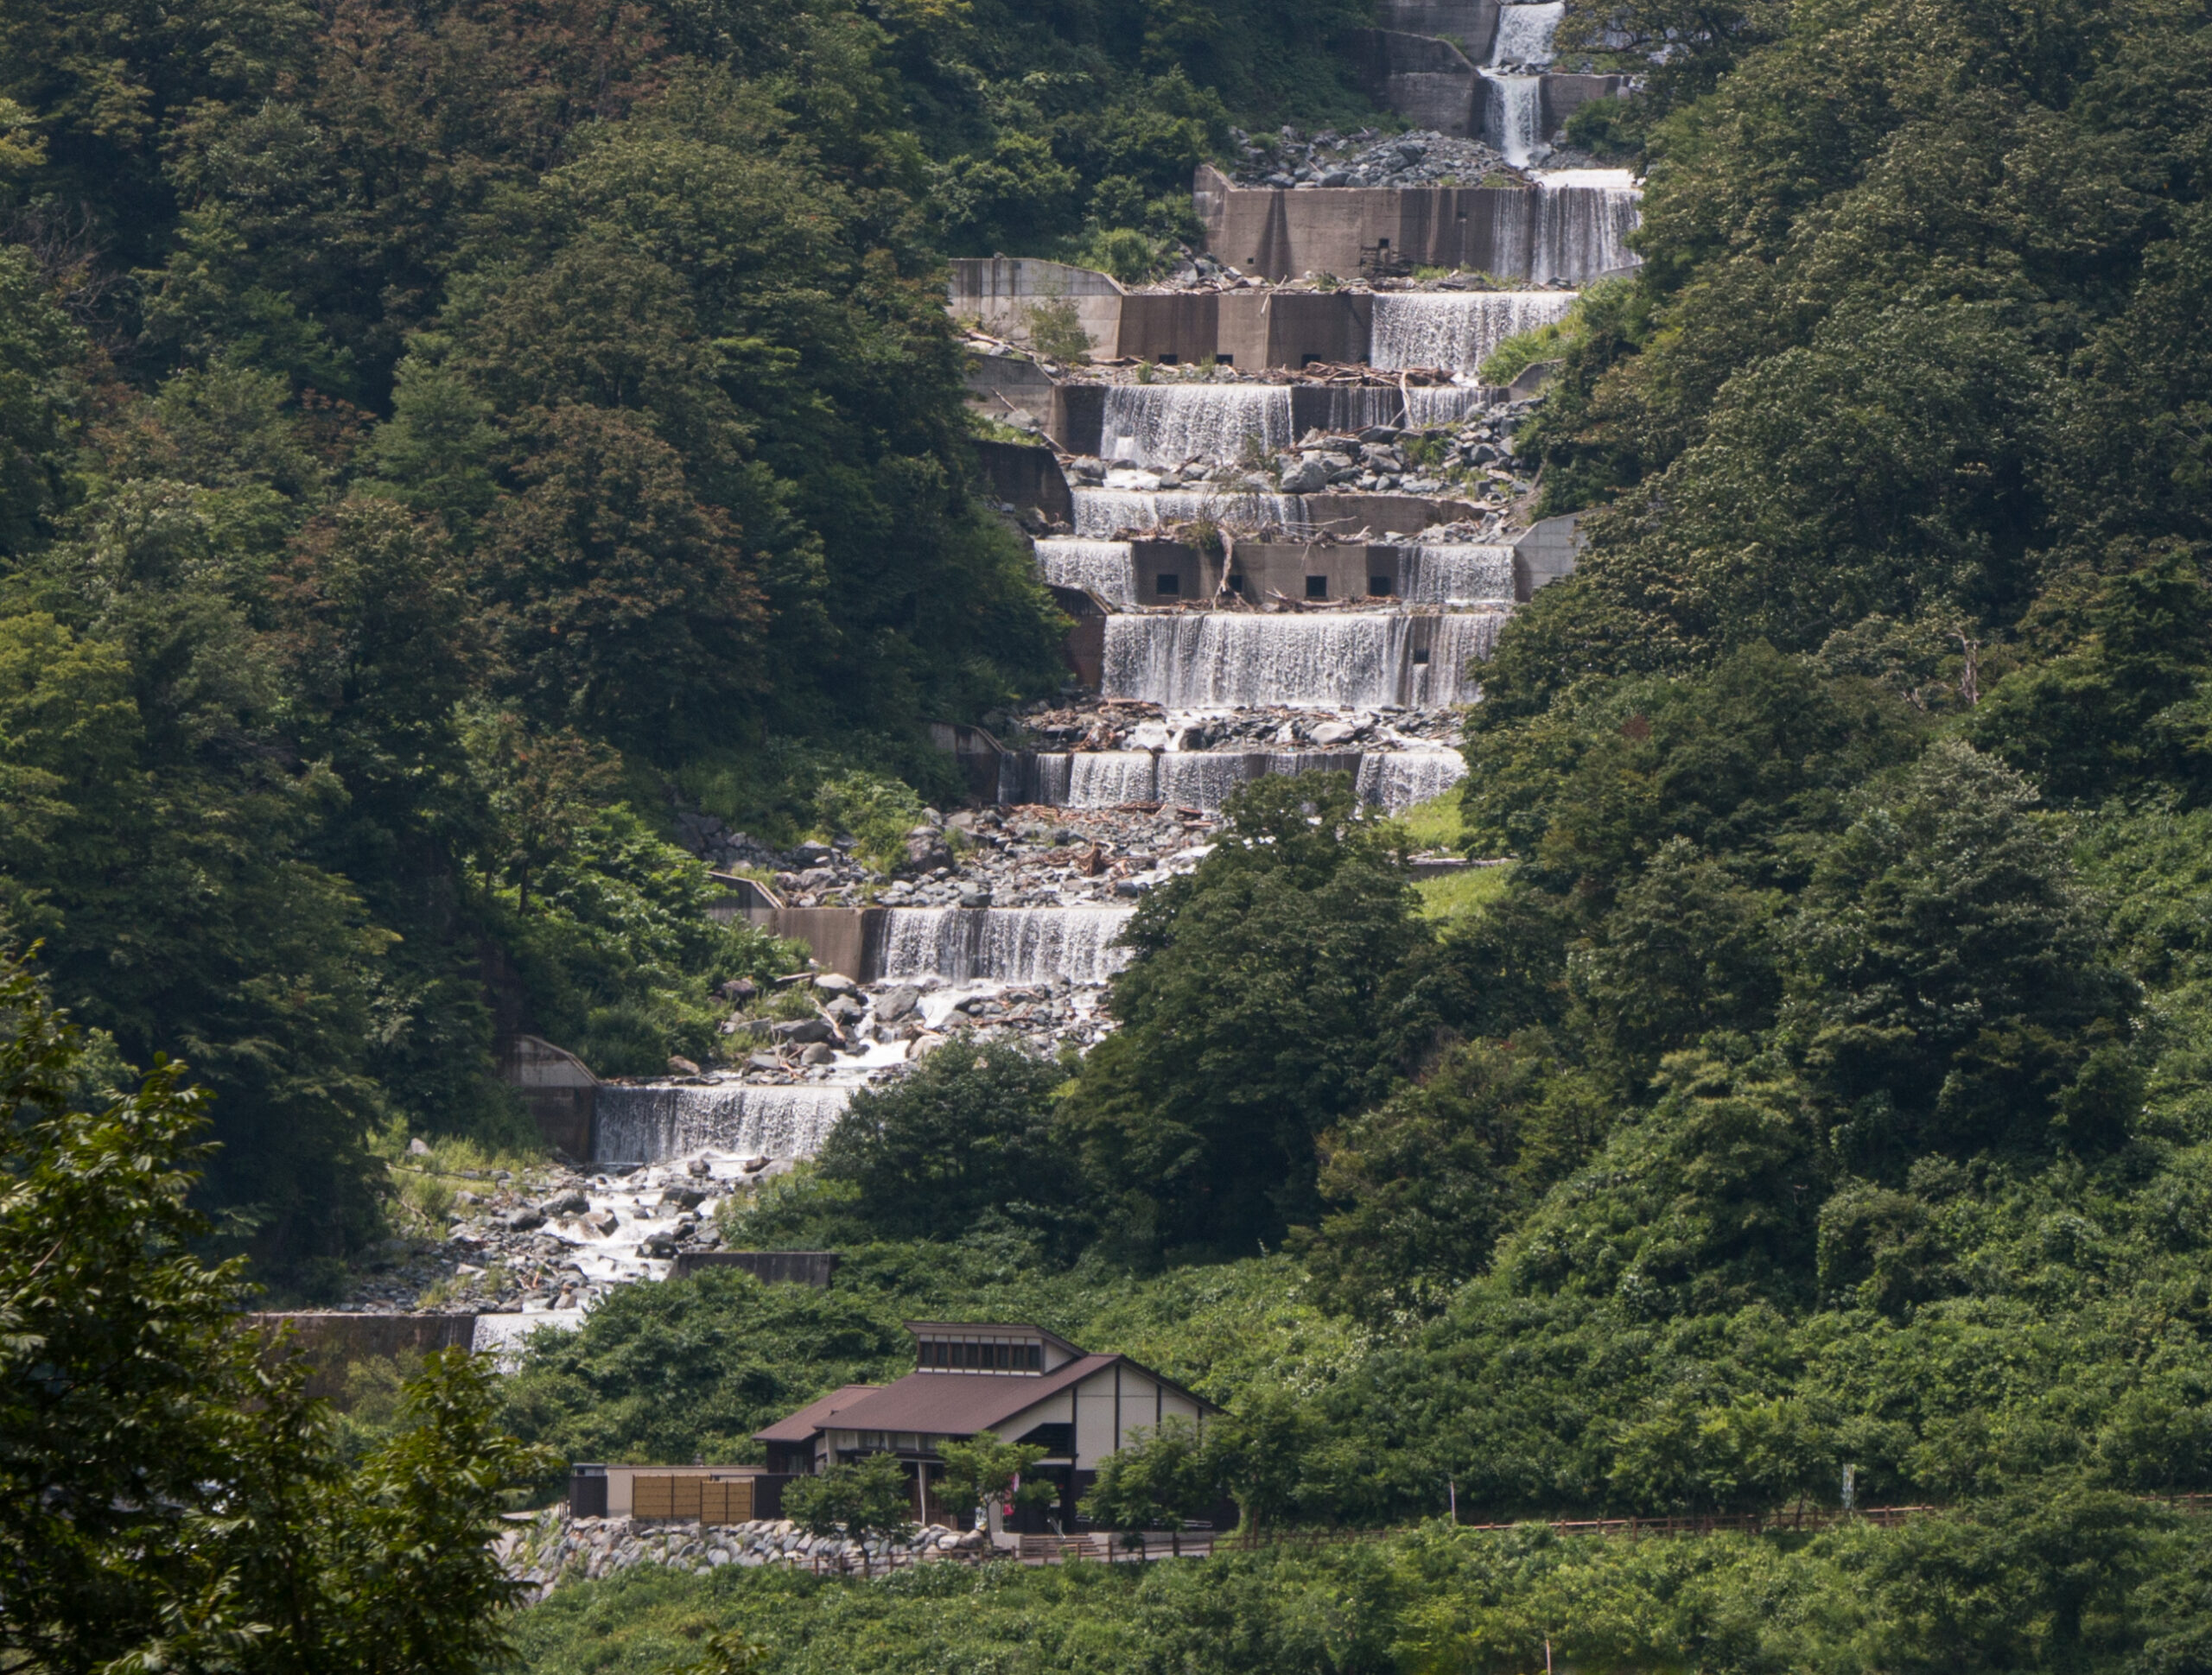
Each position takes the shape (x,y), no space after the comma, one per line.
(1022,1383)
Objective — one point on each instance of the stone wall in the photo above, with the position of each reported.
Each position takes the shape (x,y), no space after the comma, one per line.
(556,1549)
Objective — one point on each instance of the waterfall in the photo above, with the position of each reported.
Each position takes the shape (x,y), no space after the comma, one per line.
(1006,944)
(1513,114)
(1101,514)
(1353,407)
(1578,226)
(1457,329)
(1191,779)
(1341,660)
(1459,639)
(1401,779)
(1107,568)
(1524,33)
(1457,575)
(1105,779)
(1165,424)
(646,1124)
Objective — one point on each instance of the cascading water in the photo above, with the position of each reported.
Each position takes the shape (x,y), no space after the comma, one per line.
(1457,575)
(1006,944)
(1513,114)
(1458,640)
(1165,424)
(1340,408)
(1457,329)
(1107,568)
(1402,779)
(1577,226)
(1101,514)
(1106,780)
(646,1124)
(1348,660)
(1525,33)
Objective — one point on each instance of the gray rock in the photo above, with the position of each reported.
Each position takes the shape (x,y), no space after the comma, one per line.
(678,1066)
(898,1003)
(833,982)
(764,1061)
(800,1030)
(525,1220)
(569,1203)
(820,1053)
(1308,476)
(975,895)
(418,1148)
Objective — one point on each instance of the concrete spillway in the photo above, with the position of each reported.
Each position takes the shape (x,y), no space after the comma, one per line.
(1402,779)
(1005,944)
(1457,330)
(1457,575)
(1165,424)
(1204,779)
(644,1125)
(1364,659)
(1107,568)
(1578,226)
(1101,514)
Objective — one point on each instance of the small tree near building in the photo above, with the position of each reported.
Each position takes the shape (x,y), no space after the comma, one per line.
(866,1500)
(1160,1480)
(983,1469)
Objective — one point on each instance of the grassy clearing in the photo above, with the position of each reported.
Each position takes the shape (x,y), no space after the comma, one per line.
(1452,894)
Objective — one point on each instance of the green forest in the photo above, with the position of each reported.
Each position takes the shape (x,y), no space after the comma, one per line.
(438,445)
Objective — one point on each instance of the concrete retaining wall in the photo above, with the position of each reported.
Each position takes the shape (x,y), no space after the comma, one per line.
(999,291)
(557,1089)
(1283,234)
(1545,554)
(1564,95)
(814,1268)
(845,940)
(1472,24)
(332,1342)
(1028,478)
(1429,82)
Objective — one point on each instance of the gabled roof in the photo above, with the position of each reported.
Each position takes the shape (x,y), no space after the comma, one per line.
(815,1416)
(950,1404)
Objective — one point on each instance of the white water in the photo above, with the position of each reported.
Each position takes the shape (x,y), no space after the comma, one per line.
(1341,660)
(1102,514)
(1513,115)
(1107,568)
(1457,575)
(1006,944)
(1457,329)
(1524,33)
(1400,779)
(644,1125)
(1355,407)
(1578,227)
(1165,424)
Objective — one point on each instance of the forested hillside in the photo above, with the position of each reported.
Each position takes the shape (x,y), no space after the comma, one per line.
(439,443)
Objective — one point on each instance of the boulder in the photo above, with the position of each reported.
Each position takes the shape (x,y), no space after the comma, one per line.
(679,1066)
(833,982)
(801,1030)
